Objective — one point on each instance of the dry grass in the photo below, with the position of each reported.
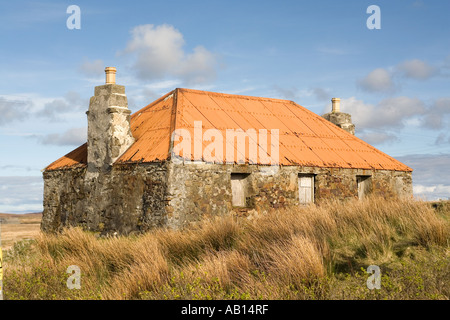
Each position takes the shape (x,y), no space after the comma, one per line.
(20,227)
(318,252)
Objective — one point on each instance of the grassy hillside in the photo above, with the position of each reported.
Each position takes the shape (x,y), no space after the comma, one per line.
(318,252)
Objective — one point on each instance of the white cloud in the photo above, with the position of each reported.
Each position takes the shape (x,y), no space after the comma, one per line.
(165,84)
(54,110)
(430,175)
(377,138)
(393,111)
(198,67)
(442,105)
(442,138)
(378,80)
(416,69)
(428,169)
(12,110)
(388,113)
(321,94)
(380,123)
(382,79)
(142,95)
(158,49)
(432,192)
(92,68)
(295,94)
(432,121)
(21,194)
(158,52)
(71,137)
(437,115)
(287,93)
(57,108)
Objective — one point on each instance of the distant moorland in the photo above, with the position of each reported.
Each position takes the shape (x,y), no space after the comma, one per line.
(17,227)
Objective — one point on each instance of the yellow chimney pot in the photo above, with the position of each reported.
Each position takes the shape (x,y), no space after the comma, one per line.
(336,102)
(110,75)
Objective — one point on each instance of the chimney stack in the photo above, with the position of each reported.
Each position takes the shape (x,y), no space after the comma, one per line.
(336,102)
(110,75)
(109,133)
(340,119)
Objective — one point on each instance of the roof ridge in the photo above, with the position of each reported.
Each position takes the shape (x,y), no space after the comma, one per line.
(231,94)
(143,109)
(173,119)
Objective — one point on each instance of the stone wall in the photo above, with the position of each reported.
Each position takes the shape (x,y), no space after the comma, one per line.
(198,189)
(64,199)
(138,197)
(126,199)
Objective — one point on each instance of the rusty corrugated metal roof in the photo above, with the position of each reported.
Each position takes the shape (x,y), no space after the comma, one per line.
(77,157)
(305,138)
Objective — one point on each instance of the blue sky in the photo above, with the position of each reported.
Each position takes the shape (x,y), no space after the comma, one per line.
(394,80)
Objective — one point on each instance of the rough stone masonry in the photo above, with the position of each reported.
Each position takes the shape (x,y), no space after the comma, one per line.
(105,196)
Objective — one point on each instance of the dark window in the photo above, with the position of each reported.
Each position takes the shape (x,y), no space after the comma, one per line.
(364,186)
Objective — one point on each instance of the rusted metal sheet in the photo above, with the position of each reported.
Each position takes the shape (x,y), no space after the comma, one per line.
(305,138)
(74,158)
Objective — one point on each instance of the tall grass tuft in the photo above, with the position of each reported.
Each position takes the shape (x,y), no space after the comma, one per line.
(315,252)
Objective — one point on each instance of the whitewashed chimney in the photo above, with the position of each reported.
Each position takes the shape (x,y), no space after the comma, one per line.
(109,133)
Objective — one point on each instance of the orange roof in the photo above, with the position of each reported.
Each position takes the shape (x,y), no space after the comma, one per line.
(305,138)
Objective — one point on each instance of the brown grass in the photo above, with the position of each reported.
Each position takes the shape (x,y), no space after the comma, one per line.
(317,252)
(21,227)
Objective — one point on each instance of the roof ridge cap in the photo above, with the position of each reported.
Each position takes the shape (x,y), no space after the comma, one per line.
(143,109)
(173,118)
(232,94)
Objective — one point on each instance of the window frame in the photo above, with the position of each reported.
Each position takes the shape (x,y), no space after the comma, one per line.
(312,188)
(243,184)
(363,186)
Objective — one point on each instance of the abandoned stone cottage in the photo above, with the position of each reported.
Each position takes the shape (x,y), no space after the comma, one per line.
(194,153)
